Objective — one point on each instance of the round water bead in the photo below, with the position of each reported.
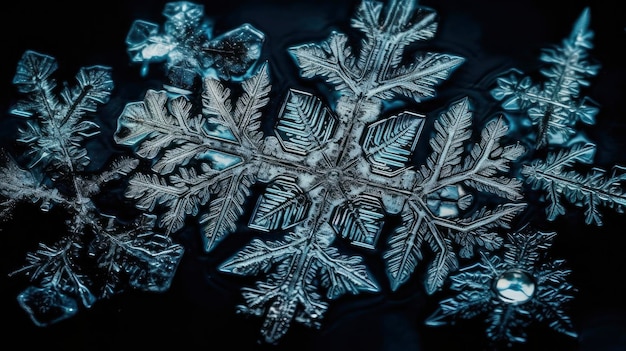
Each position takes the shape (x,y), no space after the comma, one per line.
(515,286)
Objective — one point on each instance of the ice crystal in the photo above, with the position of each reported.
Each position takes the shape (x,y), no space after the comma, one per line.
(555,106)
(188,48)
(512,291)
(57,174)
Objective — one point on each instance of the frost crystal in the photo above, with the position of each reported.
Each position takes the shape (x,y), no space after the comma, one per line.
(57,174)
(555,106)
(188,47)
(513,291)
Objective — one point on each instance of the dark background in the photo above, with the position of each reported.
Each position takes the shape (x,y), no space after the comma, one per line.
(199,309)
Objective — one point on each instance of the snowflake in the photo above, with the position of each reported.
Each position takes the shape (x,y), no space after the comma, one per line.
(57,174)
(556,108)
(188,47)
(327,172)
(512,292)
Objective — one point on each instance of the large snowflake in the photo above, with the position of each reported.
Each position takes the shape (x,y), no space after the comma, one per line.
(327,172)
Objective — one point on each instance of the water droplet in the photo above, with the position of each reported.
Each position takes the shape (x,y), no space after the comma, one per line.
(515,286)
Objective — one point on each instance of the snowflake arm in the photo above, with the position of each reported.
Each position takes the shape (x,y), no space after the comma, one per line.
(196,157)
(374,75)
(432,215)
(486,159)
(57,126)
(592,190)
(297,263)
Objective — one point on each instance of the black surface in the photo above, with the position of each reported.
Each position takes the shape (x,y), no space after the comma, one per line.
(198,312)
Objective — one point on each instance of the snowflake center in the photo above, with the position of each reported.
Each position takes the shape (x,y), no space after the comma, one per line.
(515,286)
(334,176)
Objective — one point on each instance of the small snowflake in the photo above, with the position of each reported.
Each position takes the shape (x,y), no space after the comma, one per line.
(555,107)
(57,174)
(513,291)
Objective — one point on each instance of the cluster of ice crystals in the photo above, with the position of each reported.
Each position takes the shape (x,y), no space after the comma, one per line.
(329,171)
(188,48)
